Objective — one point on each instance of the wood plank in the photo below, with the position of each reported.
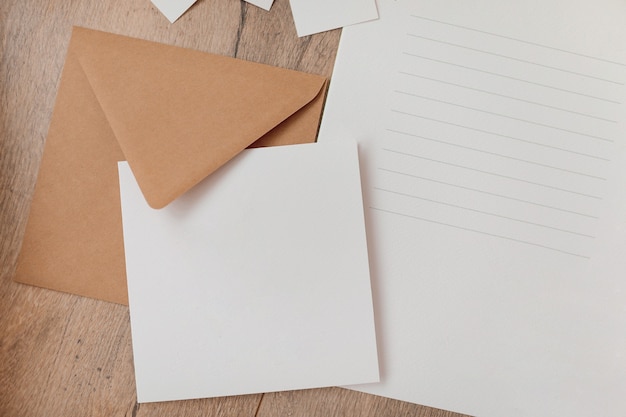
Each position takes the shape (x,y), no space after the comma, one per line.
(341,402)
(63,355)
(243,405)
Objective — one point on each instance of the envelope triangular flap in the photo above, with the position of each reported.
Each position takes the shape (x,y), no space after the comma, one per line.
(179,114)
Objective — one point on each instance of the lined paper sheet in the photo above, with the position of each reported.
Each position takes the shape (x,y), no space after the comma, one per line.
(492,141)
(499,136)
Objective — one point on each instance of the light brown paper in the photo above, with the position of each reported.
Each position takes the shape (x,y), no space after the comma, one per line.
(175,114)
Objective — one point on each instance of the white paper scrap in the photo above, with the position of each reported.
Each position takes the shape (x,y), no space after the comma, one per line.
(263,4)
(173,9)
(321,15)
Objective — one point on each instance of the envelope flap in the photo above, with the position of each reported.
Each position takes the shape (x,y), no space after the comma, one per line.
(180,114)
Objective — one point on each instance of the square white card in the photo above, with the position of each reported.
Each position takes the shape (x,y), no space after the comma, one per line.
(256,280)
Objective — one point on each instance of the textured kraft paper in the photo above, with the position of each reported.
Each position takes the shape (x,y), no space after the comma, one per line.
(176,115)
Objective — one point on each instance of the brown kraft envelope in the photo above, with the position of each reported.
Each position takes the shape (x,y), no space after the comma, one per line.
(176,115)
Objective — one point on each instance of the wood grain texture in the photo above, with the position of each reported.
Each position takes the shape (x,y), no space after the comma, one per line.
(63,355)
(340,402)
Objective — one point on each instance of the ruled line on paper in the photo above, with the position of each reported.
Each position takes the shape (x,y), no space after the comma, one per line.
(513,78)
(495,174)
(495,154)
(502,135)
(520,40)
(508,97)
(514,59)
(504,115)
(485,192)
(481,232)
(487,213)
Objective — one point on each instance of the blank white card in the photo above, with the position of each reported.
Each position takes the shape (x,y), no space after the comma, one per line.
(256,280)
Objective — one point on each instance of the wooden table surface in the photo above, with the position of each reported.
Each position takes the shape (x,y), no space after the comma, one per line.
(64,355)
